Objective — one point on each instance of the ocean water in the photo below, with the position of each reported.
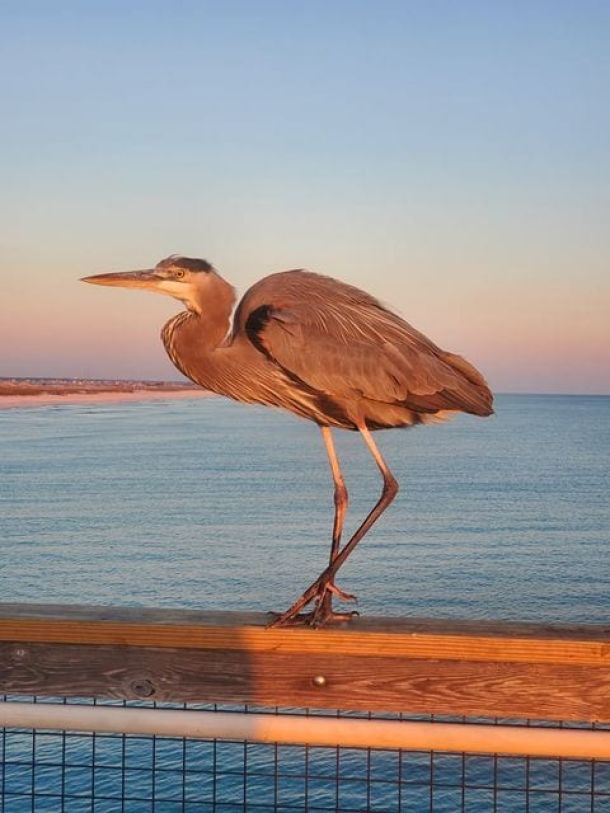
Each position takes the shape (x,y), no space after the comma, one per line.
(212,504)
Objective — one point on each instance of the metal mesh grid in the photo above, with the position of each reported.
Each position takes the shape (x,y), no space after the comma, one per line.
(63,772)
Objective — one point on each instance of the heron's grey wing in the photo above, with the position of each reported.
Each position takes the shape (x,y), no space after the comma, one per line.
(360,349)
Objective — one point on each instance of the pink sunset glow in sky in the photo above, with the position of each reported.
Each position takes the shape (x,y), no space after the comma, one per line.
(453,162)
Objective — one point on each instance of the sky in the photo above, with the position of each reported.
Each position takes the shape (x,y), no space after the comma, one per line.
(450,158)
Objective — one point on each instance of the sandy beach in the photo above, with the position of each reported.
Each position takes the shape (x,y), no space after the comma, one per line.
(21,401)
(20,393)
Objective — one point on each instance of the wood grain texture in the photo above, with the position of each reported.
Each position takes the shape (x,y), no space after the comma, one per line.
(409,665)
(538,691)
(411,638)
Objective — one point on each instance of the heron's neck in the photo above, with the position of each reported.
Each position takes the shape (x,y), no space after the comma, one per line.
(212,317)
(191,337)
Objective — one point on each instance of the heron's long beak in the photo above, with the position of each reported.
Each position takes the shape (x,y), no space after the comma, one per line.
(127,279)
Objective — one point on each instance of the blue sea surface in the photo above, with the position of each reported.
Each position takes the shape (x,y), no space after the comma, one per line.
(215,505)
(209,504)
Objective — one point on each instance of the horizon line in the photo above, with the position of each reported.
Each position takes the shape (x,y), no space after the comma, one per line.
(190,383)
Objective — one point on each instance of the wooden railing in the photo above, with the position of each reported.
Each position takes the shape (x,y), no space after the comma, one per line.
(376,664)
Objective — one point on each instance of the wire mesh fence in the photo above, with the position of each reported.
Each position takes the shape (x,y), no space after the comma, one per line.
(68,772)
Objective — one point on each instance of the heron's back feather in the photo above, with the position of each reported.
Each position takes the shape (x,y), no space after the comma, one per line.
(341,342)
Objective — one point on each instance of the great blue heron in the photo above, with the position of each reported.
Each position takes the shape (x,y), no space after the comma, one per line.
(323,350)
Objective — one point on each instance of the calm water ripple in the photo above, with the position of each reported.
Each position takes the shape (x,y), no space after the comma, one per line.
(215,505)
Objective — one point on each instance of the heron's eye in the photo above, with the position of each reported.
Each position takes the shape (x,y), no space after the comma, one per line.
(178,273)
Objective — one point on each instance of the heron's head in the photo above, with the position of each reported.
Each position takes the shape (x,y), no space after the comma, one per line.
(184,278)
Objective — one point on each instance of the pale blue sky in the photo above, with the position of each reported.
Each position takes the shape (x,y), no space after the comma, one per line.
(450,157)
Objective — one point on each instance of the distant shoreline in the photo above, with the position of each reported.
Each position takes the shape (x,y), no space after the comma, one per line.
(31,392)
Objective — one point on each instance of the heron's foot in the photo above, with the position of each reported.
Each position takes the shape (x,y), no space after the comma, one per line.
(286,620)
(324,614)
(321,594)
(314,619)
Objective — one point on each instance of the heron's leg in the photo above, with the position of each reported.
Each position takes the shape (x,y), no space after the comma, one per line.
(341,502)
(390,489)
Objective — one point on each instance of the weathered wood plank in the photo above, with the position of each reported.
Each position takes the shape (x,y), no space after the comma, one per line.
(412,638)
(397,625)
(539,691)
(411,665)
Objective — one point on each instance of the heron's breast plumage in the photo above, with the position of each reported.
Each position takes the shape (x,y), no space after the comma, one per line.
(237,370)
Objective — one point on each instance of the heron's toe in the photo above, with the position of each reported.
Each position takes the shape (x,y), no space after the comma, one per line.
(322,617)
(290,620)
(341,594)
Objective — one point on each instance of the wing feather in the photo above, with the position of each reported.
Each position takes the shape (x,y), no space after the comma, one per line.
(342,342)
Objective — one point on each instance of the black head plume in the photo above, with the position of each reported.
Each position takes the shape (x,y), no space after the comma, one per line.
(188,263)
